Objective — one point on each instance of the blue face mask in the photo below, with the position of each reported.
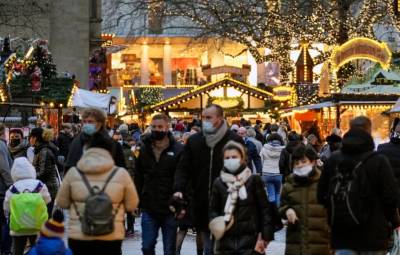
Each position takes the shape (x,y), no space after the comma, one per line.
(89,128)
(208,127)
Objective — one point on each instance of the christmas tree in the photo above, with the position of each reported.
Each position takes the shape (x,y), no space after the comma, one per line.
(42,58)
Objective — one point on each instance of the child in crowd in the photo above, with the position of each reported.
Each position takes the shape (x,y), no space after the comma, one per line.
(307,232)
(25,201)
(240,215)
(51,237)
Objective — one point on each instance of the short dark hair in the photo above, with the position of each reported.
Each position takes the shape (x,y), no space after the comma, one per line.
(161,116)
(302,151)
(220,110)
(275,137)
(361,122)
(17,131)
(96,113)
(274,128)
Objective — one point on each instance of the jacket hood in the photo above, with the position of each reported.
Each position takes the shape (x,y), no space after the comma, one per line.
(357,141)
(20,147)
(22,169)
(50,246)
(96,160)
(273,151)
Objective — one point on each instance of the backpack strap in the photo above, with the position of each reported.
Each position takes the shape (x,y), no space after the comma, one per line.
(115,170)
(14,190)
(38,188)
(85,181)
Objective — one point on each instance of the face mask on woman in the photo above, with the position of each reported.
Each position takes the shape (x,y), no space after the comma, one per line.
(232,164)
(303,171)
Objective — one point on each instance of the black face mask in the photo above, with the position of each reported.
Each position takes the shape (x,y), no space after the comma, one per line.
(158,135)
(15,142)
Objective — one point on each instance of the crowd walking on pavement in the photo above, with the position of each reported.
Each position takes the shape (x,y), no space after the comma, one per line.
(232,184)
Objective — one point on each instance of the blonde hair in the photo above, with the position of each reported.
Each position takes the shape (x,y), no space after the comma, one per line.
(48,134)
(232,145)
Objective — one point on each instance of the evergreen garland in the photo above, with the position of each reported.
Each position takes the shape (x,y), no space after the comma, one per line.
(149,96)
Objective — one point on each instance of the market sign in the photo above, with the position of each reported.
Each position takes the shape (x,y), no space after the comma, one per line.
(282,93)
(208,70)
(361,48)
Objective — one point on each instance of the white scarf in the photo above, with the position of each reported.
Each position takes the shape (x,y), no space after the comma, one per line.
(236,188)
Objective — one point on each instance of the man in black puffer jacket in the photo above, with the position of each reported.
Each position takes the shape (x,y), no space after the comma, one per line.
(285,160)
(392,149)
(357,145)
(201,164)
(154,180)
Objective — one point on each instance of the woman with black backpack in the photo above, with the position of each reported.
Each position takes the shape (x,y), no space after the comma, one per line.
(98,194)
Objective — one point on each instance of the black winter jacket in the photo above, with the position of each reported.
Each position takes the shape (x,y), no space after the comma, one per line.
(76,151)
(251,216)
(45,165)
(64,142)
(154,180)
(392,152)
(373,236)
(194,168)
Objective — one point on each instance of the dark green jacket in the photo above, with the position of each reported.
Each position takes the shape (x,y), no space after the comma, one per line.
(309,235)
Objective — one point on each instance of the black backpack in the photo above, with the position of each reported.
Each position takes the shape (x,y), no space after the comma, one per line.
(349,195)
(99,214)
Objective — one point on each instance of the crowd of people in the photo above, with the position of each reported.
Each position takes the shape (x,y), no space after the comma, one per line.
(233,184)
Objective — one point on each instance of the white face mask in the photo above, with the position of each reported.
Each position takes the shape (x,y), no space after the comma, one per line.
(208,127)
(303,171)
(232,164)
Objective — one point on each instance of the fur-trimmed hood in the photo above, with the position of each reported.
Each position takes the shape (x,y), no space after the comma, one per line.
(95,160)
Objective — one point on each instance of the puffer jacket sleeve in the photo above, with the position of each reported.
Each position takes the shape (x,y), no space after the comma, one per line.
(131,199)
(215,202)
(183,168)
(285,204)
(45,194)
(63,198)
(267,224)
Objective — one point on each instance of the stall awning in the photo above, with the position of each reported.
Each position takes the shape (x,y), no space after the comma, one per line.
(396,107)
(85,98)
(313,106)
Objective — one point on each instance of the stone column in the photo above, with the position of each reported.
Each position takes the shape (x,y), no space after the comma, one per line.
(144,65)
(69,38)
(167,64)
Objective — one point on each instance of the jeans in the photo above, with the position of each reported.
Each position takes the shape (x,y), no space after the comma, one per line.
(95,247)
(150,228)
(208,243)
(273,184)
(352,252)
(19,243)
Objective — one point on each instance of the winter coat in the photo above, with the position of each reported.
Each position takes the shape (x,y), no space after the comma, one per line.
(19,150)
(50,246)
(253,157)
(374,235)
(270,158)
(155,179)
(5,169)
(130,159)
(257,143)
(251,217)
(64,142)
(309,235)
(77,147)
(195,168)
(97,165)
(45,165)
(392,152)
(285,160)
(24,177)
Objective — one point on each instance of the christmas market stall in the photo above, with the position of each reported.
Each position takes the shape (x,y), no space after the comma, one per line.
(238,100)
(30,87)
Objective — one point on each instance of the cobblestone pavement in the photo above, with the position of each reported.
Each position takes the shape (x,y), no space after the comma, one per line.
(132,245)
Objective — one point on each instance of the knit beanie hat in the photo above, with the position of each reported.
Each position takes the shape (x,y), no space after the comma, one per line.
(54,227)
